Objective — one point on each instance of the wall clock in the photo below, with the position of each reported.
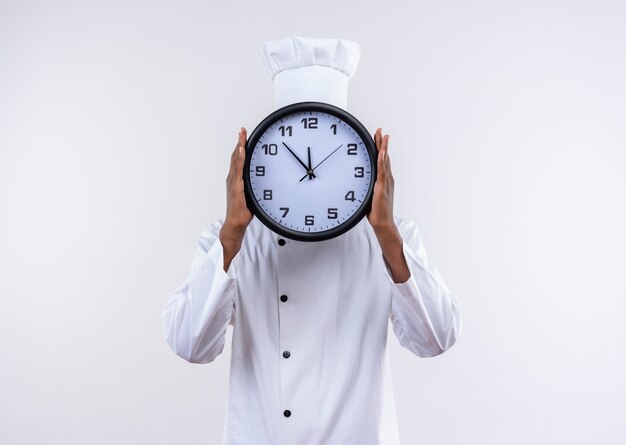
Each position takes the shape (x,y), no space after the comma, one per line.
(310,171)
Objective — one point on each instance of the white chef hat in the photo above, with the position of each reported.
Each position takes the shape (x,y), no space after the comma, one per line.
(310,69)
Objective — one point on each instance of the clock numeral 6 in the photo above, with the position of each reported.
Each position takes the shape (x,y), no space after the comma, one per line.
(285,210)
(309,220)
(260,170)
(270,149)
(284,130)
(359,172)
(350,196)
(352,149)
(309,122)
(332,213)
(267,195)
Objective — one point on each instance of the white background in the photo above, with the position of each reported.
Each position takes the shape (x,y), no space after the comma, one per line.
(508,143)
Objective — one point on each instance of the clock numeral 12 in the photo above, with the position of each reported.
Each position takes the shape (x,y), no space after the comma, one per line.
(351,149)
(309,122)
(332,213)
(309,220)
(284,130)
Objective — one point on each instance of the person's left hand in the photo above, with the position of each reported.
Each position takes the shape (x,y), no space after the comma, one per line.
(381,214)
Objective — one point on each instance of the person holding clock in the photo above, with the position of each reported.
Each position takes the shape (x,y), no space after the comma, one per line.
(309,363)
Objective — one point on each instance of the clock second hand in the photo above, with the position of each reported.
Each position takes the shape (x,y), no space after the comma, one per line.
(308,170)
(332,153)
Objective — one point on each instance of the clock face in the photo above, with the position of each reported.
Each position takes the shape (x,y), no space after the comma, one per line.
(310,169)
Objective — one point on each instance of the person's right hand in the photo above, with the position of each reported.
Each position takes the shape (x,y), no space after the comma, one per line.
(238,216)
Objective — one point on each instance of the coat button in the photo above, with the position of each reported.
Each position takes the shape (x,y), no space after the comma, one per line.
(281,242)
(286,354)
(287,413)
(283,298)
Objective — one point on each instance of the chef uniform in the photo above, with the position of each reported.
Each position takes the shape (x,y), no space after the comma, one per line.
(309,362)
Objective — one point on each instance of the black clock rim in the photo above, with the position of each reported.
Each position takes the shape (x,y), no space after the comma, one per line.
(340,113)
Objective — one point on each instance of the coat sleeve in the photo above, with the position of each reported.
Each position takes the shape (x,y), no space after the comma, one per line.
(425,316)
(198,312)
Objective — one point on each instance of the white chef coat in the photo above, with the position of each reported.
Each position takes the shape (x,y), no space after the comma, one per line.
(309,359)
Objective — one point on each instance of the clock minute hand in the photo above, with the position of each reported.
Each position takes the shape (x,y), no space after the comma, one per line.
(298,159)
(320,163)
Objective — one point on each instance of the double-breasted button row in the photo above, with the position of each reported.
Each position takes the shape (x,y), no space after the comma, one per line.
(286,354)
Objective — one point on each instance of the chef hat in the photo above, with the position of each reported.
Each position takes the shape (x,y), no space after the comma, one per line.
(307,69)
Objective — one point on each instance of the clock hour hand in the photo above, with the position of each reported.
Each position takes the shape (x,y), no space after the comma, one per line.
(308,170)
(320,163)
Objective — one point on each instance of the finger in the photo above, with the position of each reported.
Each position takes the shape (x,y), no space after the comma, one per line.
(388,171)
(384,146)
(377,137)
(242,137)
(241,140)
(241,157)
(381,175)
